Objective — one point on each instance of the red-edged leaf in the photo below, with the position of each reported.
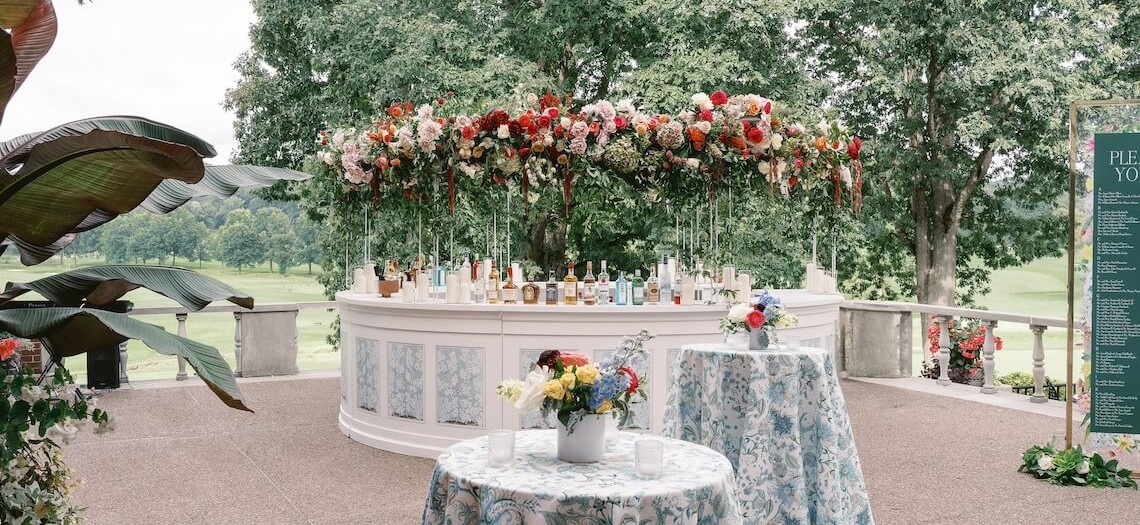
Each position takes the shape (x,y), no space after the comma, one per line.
(32,38)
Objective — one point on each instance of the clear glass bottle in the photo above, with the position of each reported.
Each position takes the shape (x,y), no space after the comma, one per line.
(638,295)
(652,287)
(603,288)
(479,291)
(510,289)
(571,285)
(666,283)
(590,286)
(621,295)
(551,289)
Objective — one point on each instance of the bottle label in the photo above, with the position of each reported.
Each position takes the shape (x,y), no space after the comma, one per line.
(638,294)
(510,295)
(571,290)
(530,295)
(551,294)
(588,290)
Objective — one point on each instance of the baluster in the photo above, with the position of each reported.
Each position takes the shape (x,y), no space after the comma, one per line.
(237,343)
(1038,364)
(988,358)
(181,333)
(944,349)
(123,363)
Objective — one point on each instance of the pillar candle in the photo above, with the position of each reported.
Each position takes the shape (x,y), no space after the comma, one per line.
(371,286)
(421,286)
(516,274)
(809,276)
(408,292)
(485,269)
(358,280)
(452,288)
(728,277)
(744,287)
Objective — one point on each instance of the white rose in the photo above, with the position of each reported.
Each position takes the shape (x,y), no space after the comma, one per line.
(1045,462)
(693,163)
(531,99)
(1083,468)
(565,122)
(739,312)
(777,139)
(822,127)
(532,394)
(701,100)
(504,132)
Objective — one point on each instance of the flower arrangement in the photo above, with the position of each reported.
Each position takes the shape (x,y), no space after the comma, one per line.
(762,311)
(1074,467)
(717,142)
(966,342)
(34,481)
(570,385)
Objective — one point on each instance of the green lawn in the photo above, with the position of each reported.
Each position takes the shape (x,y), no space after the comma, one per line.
(216,330)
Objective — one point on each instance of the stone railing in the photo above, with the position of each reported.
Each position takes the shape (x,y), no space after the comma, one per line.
(876,340)
(265,338)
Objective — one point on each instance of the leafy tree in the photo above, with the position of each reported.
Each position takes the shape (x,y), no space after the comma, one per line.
(282,249)
(239,242)
(183,235)
(307,249)
(965,104)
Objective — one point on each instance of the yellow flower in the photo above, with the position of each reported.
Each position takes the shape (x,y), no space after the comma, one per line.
(553,389)
(567,380)
(606,406)
(587,374)
(1086,253)
(1089,184)
(1125,443)
(1086,369)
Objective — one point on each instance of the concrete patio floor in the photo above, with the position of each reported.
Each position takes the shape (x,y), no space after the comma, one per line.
(179,456)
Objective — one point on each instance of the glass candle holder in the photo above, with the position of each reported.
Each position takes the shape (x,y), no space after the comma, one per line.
(500,447)
(649,457)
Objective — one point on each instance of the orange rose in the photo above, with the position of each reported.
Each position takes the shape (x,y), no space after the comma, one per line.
(821,143)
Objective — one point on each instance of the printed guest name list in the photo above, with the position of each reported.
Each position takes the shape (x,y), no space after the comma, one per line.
(1115,286)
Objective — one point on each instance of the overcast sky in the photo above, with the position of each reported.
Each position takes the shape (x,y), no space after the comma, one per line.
(166,60)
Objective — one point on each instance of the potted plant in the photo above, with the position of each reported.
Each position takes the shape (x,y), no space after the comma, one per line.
(967,337)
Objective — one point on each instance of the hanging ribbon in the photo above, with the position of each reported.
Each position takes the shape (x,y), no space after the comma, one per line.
(838,186)
(567,184)
(526,191)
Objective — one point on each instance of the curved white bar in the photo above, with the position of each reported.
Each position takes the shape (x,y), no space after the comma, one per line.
(419,377)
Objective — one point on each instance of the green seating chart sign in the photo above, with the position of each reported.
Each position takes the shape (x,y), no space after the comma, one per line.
(1115,284)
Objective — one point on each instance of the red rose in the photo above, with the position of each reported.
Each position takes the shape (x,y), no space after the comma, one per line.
(502,117)
(719,98)
(441,101)
(514,128)
(531,130)
(633,380)
(747,125)
(552,112)
(792,181)
(755,319)
(706,115)
(573,359)
(653,122)
(544,121)
(8,348)
(755,135)
(558,130)
(522,153)
(525,121)
(620,122)
(854,148)
(768,107)
(468,132)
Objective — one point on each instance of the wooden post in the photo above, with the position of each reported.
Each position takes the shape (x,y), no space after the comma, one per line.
(181,333)
(988,354)
(944,349)
(1038,364)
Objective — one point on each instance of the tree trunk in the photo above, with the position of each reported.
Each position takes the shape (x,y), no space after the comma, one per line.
(548,243)
(310,267)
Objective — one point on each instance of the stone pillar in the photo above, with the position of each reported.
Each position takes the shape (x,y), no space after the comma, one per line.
(876,344)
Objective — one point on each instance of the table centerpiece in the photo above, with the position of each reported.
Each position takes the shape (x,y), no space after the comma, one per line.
(581,393)
(752,324)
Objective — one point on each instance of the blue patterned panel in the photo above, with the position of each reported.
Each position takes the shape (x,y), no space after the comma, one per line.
(343,373)
(532,419)
(406,380)
(367,370)
(671,370)
(639,408)
(459,385)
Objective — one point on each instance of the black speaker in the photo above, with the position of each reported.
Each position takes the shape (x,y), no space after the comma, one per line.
(103,368)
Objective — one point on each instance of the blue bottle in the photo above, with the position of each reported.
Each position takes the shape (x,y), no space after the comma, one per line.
(621,296)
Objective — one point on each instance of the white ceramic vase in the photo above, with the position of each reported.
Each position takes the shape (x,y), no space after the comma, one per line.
(585,441)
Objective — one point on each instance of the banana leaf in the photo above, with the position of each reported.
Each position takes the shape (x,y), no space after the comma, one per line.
(72,331)
(219,181)
(102,285)
(33,25)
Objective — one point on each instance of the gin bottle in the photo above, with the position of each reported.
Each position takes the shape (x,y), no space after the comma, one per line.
(621,295)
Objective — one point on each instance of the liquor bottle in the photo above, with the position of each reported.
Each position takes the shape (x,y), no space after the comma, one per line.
(589,286)
(638,288)
(551,289)
(621,295)
(530,291)
(493,285)
(510,290)
(603,291)
(571,285)
(666,283)
(652,287)
(479,295)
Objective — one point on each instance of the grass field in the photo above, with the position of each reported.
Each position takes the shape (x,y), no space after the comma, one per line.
(216,330)
(1035,289)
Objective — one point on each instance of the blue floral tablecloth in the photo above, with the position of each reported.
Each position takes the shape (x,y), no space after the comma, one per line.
(780,418)
(695,487)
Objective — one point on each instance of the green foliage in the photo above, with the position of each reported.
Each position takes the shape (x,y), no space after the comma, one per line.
(1074,467)
(33,419)
(1015,379)
(239,242)
(965,104)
